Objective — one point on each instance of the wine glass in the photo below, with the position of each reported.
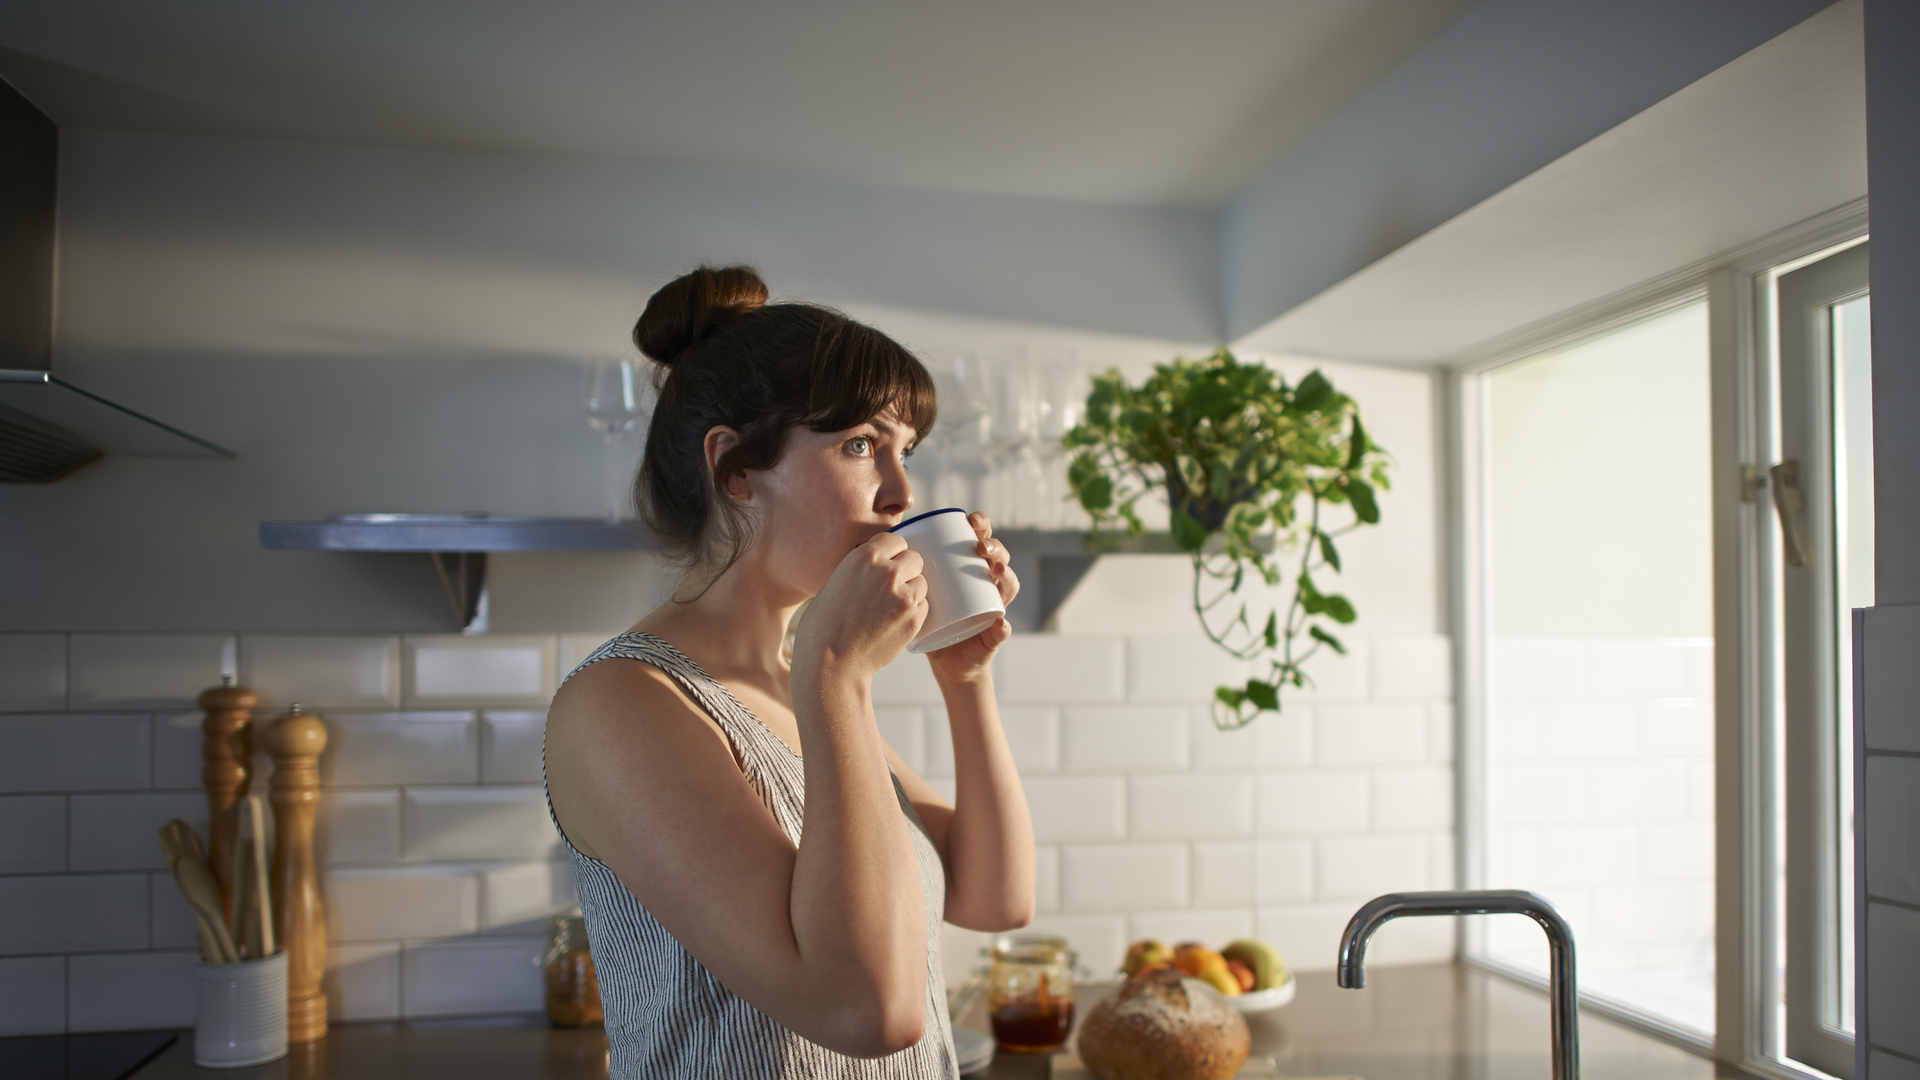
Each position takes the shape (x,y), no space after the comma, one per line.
(1017,419)
(617,398)
(1063,389)
(965,433)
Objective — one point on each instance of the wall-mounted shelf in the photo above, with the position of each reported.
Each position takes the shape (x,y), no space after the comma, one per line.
(1049,564)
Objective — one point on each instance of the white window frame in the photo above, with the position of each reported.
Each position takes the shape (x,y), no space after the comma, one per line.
(1749,1032)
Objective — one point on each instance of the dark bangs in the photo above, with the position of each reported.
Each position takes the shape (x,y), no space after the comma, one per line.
(860,373)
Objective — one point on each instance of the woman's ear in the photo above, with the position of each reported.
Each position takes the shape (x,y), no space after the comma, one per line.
(719,440)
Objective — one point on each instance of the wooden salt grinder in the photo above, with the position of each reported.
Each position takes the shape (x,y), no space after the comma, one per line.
(228,750)
(299,917)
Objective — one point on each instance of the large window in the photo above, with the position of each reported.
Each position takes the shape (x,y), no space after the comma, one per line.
(1665,526)
(1598,751)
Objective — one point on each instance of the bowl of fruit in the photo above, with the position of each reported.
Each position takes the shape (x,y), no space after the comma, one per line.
(1248,973)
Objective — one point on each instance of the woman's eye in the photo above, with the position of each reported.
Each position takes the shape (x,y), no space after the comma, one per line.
(861,445)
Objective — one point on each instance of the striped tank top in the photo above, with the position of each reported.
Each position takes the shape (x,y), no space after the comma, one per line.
(666,1016)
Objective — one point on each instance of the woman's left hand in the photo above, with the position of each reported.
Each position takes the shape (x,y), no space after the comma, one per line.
(969,660)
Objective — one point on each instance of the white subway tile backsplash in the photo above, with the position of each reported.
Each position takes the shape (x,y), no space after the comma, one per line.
(1210,928)
(1076,807)
(1041,669)
(499,822)
(143,671)
(33,996)
(1179,668)
(1644,667)
(1122,877)
(1538,667)
(33,834)
(75,752)
(1647,789)
(1891,823)
(1442,861)
(907,680)
(1412,666)
(1211,749)
(1283,871)
(391,749)
(1285,740)
(33,673)
(1362,867)
(512,746)
(1333,677)
(1301,803)
(131,991)
(1123,738)
(496,669)
(122,832)
(1677,729)
(905,729)
(1222,872)
(171,920)
(1033,737)
(1676,852)
(357,828)
(73,913)
(1535,794)
(1589,730)
(1883,1066)
(575,648)
(1892,682)
(1046,879)
(389,904)
(1101,940)
(1413,798)
(464,978)
(1369,734)
(1593,855)
(322,672)
(1192,806)
(1307,936)
(520,899)
(1440,731)
(177,759)
(363,982)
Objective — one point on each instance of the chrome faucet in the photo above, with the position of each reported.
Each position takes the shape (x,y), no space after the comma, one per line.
(1566,1016)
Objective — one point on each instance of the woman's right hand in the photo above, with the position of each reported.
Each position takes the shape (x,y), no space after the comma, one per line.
(870,609)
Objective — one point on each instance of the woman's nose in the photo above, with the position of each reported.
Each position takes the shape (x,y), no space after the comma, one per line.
(896,490)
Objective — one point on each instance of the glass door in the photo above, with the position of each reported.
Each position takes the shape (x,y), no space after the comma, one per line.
(1822,495)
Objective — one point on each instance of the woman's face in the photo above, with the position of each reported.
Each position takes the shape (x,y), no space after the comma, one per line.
(830,493)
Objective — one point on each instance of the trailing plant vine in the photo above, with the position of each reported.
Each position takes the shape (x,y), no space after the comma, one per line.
(1251,468)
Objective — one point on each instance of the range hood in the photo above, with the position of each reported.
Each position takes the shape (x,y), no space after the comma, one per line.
(50,428)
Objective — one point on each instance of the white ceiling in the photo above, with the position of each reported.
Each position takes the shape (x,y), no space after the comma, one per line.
(1136,101)
(1773,138)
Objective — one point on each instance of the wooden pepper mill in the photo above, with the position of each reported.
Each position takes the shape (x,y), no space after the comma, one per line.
(299,915)
(228,750)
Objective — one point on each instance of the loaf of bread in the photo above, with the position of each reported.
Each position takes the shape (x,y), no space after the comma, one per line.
(1162,1025)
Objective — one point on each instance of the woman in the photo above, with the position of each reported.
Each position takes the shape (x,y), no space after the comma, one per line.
(763,877)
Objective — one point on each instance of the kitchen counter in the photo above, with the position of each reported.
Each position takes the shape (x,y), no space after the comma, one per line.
(1434,1022)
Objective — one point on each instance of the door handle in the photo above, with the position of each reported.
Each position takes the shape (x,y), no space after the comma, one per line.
(1789,504)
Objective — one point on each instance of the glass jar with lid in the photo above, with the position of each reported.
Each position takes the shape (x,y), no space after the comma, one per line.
(573,988)
(1030,992)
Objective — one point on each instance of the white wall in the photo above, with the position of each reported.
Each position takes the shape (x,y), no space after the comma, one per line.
(383,330)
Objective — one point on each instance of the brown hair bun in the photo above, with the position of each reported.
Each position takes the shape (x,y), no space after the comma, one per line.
(692,304)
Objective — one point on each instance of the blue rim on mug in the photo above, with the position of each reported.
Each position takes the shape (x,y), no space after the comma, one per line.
(928,514)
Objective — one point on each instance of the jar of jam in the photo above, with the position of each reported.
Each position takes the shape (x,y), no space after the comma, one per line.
(1030,992)
(573,990)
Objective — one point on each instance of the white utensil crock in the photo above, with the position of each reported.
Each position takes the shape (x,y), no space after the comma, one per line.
(962,599)
(243,1012)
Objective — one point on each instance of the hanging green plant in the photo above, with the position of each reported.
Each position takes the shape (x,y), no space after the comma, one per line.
(1249,466)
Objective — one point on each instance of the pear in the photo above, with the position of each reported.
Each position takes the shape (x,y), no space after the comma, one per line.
(1268,970)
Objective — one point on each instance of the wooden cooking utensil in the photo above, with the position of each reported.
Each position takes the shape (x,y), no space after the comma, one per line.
(261,896)
(188,863)
(236,880)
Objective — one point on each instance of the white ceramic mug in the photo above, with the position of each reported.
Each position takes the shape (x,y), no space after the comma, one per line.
(243,1012)
(962,599)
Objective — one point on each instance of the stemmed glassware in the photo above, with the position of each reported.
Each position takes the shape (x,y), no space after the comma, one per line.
(1063,396)
(618,399)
